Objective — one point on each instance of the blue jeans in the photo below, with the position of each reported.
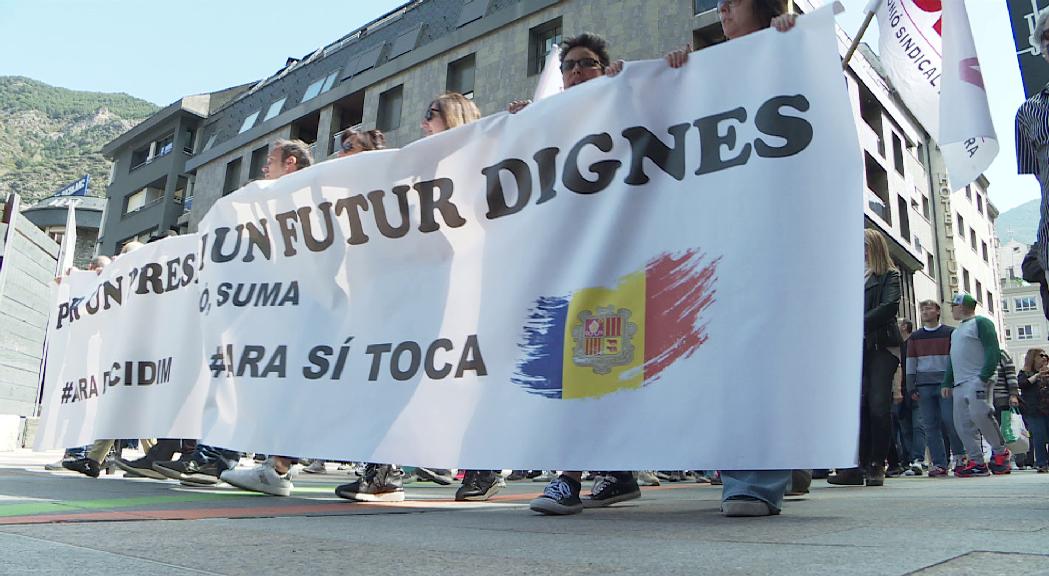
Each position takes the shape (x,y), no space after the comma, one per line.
(937,416)
(909,434)
(766,485)
(1038,426)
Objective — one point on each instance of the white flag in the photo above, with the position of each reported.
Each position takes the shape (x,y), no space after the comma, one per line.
(927,49)
(68,248)
(550,81)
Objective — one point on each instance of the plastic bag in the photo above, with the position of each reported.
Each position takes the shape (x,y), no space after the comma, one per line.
(1017,438)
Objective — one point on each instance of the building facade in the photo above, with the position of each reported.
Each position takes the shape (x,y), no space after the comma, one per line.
(148,185)
(50,214)
(1023,311)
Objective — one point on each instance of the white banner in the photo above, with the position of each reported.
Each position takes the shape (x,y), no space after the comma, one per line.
(661,270)
(927,50)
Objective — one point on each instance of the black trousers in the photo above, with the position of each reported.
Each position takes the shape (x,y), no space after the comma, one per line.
(879,366)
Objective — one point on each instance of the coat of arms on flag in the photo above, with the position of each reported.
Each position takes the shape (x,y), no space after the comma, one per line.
(604,340)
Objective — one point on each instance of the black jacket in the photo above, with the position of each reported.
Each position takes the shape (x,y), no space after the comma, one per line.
(881,303)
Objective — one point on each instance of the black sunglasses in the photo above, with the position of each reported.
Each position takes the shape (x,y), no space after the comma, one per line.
(568,65)
(431,113)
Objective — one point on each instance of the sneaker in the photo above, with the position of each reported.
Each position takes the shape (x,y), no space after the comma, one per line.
(381,483)
(545,476)
(972,469)
(999,463)
(561,497)
(316,467)
(876,476)
(744,507)
(263,478)
(517,475)
(938,472)
(85,466)
(479,486)
(437,475)
(647,478)
(916,469)
(55,466)
(846,477)
(715,480)
(204,474)
(1043,469)
(897,471)
(612,488)
(143,467)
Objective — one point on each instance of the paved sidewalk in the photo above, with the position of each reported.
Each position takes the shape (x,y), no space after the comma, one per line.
(62,523)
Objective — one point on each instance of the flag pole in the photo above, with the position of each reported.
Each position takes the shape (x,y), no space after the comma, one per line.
(872,8)
(790,6)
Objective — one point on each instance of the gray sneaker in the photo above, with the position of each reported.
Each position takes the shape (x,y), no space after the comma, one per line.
(746,507)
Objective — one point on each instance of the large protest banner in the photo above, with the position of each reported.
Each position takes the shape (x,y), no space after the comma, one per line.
(661,270)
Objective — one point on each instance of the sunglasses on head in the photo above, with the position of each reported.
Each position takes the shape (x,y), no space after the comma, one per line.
(432,113)
(584,63)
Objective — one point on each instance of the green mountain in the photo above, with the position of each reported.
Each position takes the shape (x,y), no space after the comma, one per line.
(52,136)
(1019,223)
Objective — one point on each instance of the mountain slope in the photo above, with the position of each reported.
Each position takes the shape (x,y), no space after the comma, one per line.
(1019,223)
(51,136)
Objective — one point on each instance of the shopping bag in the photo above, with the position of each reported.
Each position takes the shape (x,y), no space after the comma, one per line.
(1017,438)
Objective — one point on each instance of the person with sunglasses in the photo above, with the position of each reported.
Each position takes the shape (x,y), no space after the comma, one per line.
(353,142)
(583,58)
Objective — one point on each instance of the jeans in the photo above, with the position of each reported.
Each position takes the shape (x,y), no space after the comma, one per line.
(1038,426)
(909,434)
(974,418)
(937,415)
(766,485)
(876,406)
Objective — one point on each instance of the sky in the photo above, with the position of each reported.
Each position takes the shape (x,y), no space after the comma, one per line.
(160,51)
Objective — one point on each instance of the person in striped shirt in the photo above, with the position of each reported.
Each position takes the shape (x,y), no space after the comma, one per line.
(928,355)
(1032,140)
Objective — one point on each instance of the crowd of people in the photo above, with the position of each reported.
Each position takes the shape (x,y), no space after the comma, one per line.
(923,391)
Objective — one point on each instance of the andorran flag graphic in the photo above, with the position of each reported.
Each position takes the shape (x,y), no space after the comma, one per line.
(600,340)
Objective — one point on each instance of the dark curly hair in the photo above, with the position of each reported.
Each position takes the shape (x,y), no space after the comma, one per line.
(590,41)
(766,10)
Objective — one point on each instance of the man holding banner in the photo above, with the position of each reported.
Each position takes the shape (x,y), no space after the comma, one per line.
(1032,142)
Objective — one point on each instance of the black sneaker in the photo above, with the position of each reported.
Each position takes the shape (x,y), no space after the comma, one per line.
(442,477)
(141,468)
(561,497)
(85,466)
(479,485)
(612,488)
(205,474)
(381,483)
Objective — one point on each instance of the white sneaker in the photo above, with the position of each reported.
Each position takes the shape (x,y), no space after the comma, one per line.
(262,478)
(316,467)
(647,478)
(546,476)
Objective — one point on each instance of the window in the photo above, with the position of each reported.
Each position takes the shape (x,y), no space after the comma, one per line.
(905,218)
(897,154)
(1005,305)
(878,185)
(926,207)
(540,40)
(979,292)
(919,154)
(1008,334)
(232,181)
(249,122)
(188,139)
(1026,332)
(406,42)
(972,238)
(135,201)
(960,222)
(472,10)
(164,146)
(274,109)
(990,302)
(389,116)
(1025,304)
(965,280)
(979,202)
(258,162)
(871,112)
(329,81)
(701,6)
(969,193)
(461,75)
(930,268)
(984,246)
(313,90)
(139,157)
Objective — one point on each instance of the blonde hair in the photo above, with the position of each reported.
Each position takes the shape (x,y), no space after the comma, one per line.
(131,246)
(877,251)
(1030,357)
(456,109)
